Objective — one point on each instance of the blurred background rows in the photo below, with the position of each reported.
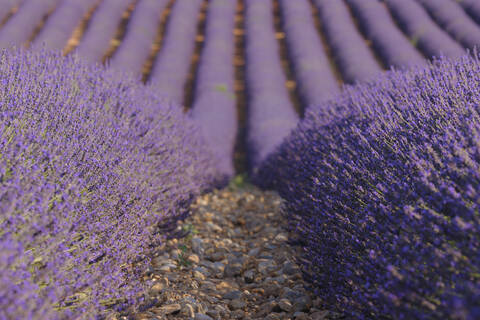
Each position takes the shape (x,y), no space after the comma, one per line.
(318,44)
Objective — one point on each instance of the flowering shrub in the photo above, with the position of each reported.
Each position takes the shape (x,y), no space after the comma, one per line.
(422,30)
(60,25)
(355,60)
(93,173)
(271,115)
(101,29)
(389,42)
(313,72)
(472,8)
(453,19)
(170,70)
(214,108)
(136,45)
(20,27)
(382,188)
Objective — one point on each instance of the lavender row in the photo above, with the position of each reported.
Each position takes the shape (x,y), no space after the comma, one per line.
(60,25)
(94,173)
(382,191)
(472,8)
(271,115)
(355,60)
(214,108)
(389,42)
(172,64)
(451,17)
(422,30)
(20,27)
(101,30)
(6,6)
(315,79)
(141,31)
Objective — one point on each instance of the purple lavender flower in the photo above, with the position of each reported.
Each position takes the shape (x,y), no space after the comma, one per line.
(382,191)
(94,172)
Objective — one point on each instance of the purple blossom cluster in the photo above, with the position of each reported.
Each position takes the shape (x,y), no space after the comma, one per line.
(136,45)
(422,30)
(101,29)
(170,71)
(453,19)
(472,8)
(313,71)
(389,42)
(94,172)
(382,188)
(271,115)
(60,25)
(7,6)
(214,108)
(352,55)
(18,30)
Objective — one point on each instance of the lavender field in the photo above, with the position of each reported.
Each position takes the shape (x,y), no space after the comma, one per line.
(126,126)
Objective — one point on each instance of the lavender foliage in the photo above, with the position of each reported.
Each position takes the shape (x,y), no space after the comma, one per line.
(6,6)
(355,60)
(172,64)
(389,42)
(101,29)
(94,172)
(315,78)
(453,19)
(20,27)
(422,30)
(214,108)
(382,188)
(60,25)
(141,31)
(271,115)
(472,8)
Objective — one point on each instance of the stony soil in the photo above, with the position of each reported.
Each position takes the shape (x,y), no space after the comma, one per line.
(234,264)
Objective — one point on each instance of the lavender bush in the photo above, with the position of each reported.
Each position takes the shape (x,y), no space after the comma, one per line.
(450,16)
(94,172)
(472,8)
(314,75)
(352,55)
(214,108)
(20,27)
(141,31)
(271,115)
(101,29)
(422,30)
(170,71)
(382,188)
(60,25)
(389,42)
(6,6)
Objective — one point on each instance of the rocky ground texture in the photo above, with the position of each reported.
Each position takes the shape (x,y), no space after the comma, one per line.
(235,263)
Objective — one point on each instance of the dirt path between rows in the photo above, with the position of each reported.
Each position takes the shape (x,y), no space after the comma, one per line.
(234,264)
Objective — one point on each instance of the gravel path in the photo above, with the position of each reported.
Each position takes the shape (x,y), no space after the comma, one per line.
(234,264)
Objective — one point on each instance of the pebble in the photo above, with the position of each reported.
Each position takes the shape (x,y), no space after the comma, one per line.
(249,276)
(233,268)
(193,258)
(285,305)
(200,316)
(198,275)
(197,245)
(237,304)
(240,265)
(231,295)
(188,310)
(171,308)
(218,267)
